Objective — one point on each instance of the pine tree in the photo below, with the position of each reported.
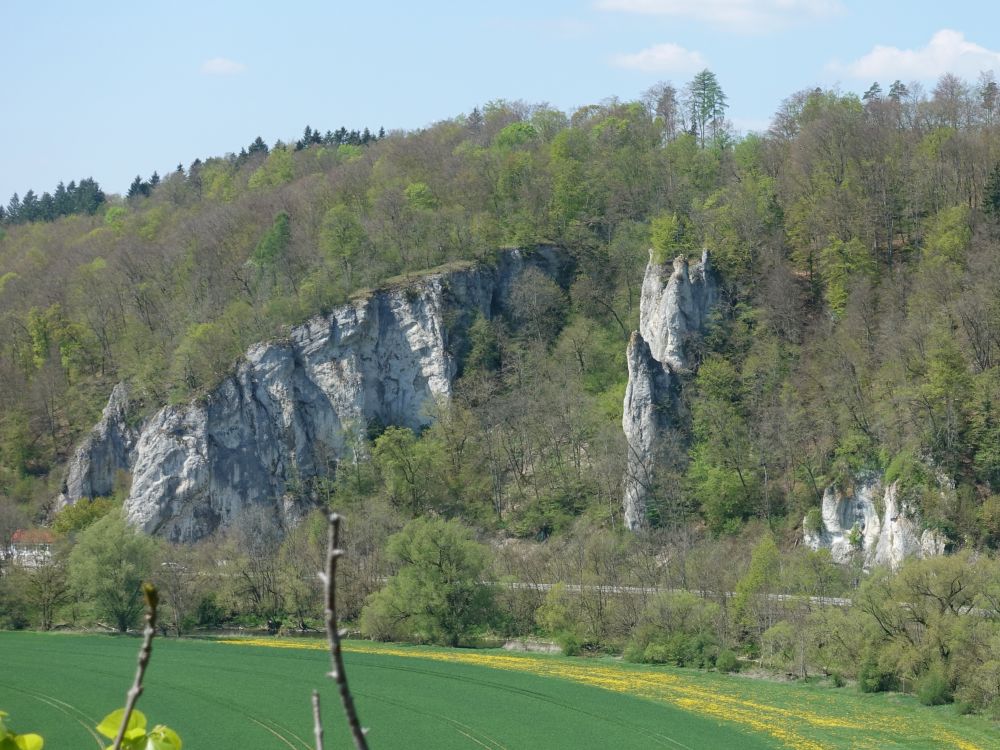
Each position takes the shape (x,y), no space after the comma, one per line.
(258,147)
(898,91)
(29,206)
(14,210)
(706,104)
(135,189)
(154,180)
(47,208)
(63,200)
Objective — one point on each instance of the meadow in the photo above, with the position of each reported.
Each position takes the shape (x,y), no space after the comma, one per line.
(254,693)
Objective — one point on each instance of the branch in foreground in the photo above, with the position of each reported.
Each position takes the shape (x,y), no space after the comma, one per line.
(333,553)
(152,599)
(317,721)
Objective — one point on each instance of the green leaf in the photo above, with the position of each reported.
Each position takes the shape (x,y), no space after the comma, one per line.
(163,738)
(28,742)
(110,723)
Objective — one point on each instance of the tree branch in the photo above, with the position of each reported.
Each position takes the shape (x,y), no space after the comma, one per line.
(152,599)
(317,721)
(333,553)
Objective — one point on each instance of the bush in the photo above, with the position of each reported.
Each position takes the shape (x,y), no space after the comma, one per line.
(873,678)
(569,643)
(933,688)
(814,521)
(727,662)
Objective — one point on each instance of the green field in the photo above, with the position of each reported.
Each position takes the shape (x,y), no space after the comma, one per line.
(224,695)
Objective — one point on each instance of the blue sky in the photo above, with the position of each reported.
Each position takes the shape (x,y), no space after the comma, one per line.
(114,89)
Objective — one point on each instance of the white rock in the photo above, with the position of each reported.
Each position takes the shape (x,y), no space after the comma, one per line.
(675,305)
(886,540)
(294,408)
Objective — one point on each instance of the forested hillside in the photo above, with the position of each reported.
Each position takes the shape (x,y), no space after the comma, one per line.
(859,328)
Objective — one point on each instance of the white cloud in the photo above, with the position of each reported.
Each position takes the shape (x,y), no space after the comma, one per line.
(662,58)
(947,52)
(222,66)
(736,15)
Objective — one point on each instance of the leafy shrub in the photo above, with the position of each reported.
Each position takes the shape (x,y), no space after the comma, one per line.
(569,642)
(814,521)
(933,688)
(874,678)
(727,662)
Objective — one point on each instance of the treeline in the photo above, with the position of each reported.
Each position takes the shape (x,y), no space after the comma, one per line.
(682,598)
(85,198)
(857,330)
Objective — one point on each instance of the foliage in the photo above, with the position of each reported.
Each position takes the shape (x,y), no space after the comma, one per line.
(107,567)
(727,662)
(9,740)
(437,595)
(160,737)
(81,514)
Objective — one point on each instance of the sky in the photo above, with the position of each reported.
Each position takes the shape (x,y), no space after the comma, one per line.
(114,89)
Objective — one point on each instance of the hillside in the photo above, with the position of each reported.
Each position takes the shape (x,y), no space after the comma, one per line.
(855,330)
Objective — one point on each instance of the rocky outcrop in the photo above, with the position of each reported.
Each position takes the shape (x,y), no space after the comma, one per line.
(675,306)
(648,410)
(872,522)
(294,408)
(106,451)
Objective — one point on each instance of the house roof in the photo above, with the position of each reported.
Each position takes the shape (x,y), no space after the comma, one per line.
(33,536)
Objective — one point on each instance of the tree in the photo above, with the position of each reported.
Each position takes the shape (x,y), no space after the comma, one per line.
(706,103)
(108,566)
(437,594)
(46,587)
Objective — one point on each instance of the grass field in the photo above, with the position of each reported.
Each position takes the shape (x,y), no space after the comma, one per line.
(255,694)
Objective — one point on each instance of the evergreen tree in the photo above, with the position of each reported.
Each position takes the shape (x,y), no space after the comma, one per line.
(154,180)
(258,146)
(47,208)
(898,91)
(63,200)
(874,93)
(14,209)
(29,206)
(706,105)
(135,189)
(89,196)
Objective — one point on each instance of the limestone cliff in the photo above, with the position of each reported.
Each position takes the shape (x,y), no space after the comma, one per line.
(108,449)
(293,407)
(853,523)
(675,306)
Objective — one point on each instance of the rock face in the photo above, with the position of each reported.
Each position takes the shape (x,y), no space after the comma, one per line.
(293,408)
(675,306)
(852,525)
(108,449)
